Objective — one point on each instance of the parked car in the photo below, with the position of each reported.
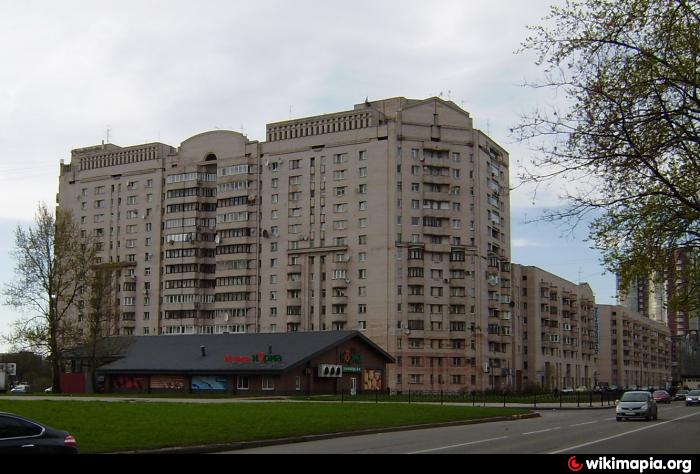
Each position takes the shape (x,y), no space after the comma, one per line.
(637,404)
(19,435)
(21,389)
(661,396)
(693,398)
(582,389)
(681,394)
(48,390)
(567,390)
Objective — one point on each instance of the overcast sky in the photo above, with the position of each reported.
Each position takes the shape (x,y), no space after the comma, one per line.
(166,70)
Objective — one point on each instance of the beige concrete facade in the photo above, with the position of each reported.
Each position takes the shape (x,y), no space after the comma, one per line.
(392,218)
(633,349)
(555,331)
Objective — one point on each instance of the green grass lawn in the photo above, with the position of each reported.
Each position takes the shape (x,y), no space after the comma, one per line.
(119,426)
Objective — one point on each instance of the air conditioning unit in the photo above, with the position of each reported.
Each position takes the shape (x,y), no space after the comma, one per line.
(347,280)
(330,371)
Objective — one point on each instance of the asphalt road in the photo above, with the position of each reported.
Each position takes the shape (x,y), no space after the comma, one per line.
(562,431)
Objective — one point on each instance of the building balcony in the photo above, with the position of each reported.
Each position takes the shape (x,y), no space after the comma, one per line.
(339,299)
(341,283)
(438,179)
(439,248)
(339,318)
(437,195)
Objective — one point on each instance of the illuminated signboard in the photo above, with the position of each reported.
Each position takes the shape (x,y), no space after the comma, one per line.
(348,357)
(259,358)
(351,361)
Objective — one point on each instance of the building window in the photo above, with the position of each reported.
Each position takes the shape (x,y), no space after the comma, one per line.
(268,383)
(242,382)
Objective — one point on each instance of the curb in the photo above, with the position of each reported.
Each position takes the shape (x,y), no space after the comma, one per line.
(216,448)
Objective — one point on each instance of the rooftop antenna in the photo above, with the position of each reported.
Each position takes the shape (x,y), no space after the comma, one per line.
(449,94)
(488,127)
(108,130)
(579,274)
(290,112)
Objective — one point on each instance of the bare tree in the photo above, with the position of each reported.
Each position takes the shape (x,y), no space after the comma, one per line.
(624,134)
(53,262)
(102,317)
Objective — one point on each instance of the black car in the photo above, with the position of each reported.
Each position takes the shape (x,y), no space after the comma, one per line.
(19,435)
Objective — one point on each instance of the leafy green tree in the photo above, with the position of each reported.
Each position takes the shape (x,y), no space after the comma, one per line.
(623,133)
(53,263)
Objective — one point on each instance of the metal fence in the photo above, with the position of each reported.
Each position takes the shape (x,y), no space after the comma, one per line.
(491,398)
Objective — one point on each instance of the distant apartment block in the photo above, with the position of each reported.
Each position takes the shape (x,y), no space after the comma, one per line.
(651,297)
(646,296)
(392,218)
(555,331)
(633,349)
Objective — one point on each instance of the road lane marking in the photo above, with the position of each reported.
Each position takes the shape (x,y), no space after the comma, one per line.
(458,445)
(587,423)
(542,431)
(620,435)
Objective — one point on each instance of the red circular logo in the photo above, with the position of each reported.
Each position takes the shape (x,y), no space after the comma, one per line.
(574,465)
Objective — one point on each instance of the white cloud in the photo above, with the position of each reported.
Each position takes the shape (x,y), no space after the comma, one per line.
(522,243)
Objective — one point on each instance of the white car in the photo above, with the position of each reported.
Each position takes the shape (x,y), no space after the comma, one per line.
(21,389)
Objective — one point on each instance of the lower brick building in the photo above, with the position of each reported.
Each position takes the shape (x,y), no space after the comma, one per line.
(308,363)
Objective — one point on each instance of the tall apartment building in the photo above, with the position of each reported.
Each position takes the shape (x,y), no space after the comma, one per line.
(651,297)
(555,329)
(392,218)
(633,349)
(646,296)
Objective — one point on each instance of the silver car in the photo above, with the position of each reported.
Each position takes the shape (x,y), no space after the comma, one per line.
(636,405)
(692,398)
